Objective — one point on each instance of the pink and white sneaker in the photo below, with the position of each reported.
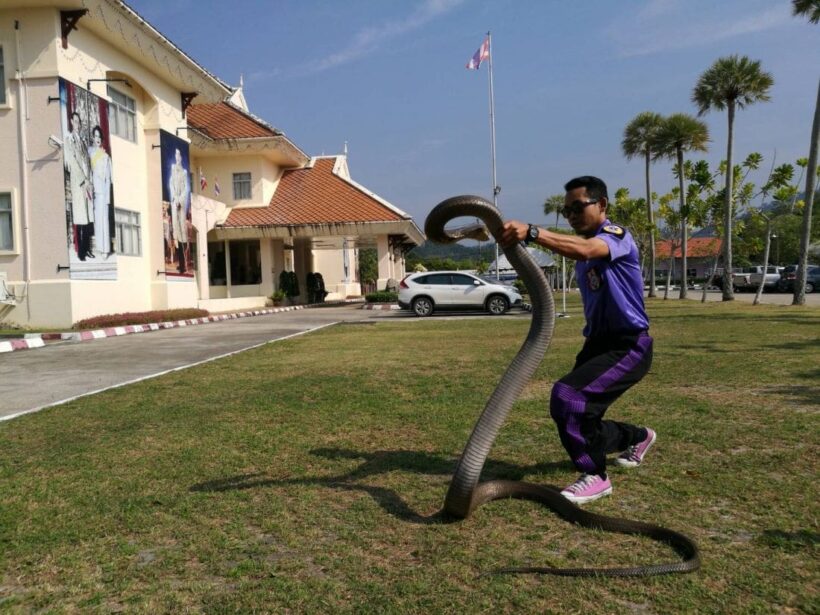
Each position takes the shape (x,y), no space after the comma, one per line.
(633,456)
(587,488)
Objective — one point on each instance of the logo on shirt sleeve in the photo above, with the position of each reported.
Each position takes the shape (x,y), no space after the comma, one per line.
(612,229)
(593,279)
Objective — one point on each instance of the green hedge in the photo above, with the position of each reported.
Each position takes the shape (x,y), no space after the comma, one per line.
(381,296)
(139,318)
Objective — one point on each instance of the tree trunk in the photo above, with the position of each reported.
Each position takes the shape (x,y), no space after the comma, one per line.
(805,235)
(711,279)
(669,272)
(684,223)
(728,291)
(651,218)
(765,262)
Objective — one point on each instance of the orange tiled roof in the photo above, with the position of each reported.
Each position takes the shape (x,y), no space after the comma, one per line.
(224,121)
(696,247)
(314,195)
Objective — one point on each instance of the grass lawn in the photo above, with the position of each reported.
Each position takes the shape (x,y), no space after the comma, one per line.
(305,476)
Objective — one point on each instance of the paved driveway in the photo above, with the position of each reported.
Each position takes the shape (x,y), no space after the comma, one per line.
(33,379)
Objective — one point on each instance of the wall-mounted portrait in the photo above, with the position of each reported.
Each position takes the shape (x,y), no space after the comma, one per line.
(89,191)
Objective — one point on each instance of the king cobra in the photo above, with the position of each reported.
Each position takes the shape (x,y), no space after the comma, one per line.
(465,493)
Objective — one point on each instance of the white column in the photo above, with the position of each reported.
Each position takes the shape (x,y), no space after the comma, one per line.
(266,254)
(384,261)
(278,251)
(302,264)
(203,276)
(228,280)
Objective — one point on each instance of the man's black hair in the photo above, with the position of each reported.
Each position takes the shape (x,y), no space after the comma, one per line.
(596,188)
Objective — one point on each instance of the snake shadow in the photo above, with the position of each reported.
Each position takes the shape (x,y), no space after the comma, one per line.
(381,462)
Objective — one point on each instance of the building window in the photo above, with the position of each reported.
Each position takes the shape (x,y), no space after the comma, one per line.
(246,262)
(122,115)
(216,263)
(2,78)
(128,232)
(241,186)
(6,222)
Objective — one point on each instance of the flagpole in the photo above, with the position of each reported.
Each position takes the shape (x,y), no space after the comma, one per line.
(496,189)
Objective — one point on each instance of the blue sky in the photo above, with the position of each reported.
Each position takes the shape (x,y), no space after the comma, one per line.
(389,77)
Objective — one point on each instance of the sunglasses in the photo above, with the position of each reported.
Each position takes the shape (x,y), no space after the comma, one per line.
(576,207)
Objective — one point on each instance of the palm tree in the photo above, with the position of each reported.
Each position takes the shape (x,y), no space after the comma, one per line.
(731,83)
(681,133)
(811,10)
(639,139)
(554,204)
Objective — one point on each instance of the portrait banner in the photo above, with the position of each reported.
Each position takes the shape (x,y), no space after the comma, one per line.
(178,232)
(89,191)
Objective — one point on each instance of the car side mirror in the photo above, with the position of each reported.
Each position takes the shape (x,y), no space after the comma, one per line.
(476,283)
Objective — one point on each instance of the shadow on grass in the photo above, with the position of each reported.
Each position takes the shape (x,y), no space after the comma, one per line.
(791,541)
(724,318)
(803,393)
(708,347)
(806,344)
(382,462)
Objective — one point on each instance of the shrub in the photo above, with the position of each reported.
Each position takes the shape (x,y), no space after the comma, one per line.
(139,318)
(289,283)
(381,296)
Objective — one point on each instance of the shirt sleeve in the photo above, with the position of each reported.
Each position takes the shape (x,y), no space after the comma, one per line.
(618,246)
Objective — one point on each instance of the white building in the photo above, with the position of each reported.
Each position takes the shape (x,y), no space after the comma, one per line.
(112,144)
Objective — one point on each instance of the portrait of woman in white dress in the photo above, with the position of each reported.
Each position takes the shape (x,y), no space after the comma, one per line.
(101,180)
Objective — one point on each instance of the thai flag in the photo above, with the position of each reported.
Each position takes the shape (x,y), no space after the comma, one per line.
(479,56)
(203,183)
(216,186)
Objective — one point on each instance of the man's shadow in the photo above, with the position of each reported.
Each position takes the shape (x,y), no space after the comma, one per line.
(381,462)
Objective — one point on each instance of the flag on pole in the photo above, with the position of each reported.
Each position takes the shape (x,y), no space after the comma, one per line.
(216,185)
(479,56)
(203,183)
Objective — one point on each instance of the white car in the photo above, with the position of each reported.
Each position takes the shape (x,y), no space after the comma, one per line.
(425,292)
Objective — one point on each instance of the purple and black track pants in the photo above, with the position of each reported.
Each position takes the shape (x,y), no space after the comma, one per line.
(605,368)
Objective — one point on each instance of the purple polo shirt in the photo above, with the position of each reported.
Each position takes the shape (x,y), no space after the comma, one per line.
(612,287)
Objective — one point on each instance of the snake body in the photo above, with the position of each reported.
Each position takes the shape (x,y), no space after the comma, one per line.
(465,493)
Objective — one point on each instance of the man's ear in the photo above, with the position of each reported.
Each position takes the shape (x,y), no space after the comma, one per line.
(605,202)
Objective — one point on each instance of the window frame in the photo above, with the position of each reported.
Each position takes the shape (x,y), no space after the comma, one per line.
(121,225)
(14,220)
(119,112)
(251,249)
(240,182)
(4,95)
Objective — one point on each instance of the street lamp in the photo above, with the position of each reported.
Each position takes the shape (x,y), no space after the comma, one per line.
(777,249)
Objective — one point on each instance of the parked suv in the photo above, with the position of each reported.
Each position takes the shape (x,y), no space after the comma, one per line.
(423,293)
(770,281)
(789,274)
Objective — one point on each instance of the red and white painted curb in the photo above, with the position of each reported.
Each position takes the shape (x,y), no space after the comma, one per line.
(380,306)
(21,344)
(38,341)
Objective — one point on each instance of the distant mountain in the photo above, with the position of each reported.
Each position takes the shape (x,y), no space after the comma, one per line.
(456,251)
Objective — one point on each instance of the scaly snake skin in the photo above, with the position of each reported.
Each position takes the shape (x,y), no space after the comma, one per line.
(466,493)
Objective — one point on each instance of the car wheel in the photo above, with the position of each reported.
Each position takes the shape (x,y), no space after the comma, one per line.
(497,305)
(422,306)
(809,288)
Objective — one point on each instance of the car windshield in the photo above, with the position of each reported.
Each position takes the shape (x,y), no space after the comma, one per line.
(491,279)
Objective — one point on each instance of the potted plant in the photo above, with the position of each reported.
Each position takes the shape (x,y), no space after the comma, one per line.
(278,297)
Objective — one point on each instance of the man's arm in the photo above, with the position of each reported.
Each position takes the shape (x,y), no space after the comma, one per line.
(571,246)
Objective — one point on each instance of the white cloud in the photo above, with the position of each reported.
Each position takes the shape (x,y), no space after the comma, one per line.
(370,39)
(665,25)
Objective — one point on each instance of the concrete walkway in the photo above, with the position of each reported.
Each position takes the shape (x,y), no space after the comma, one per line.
(33,380)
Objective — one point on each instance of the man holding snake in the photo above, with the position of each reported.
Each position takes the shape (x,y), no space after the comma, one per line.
(617,352)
